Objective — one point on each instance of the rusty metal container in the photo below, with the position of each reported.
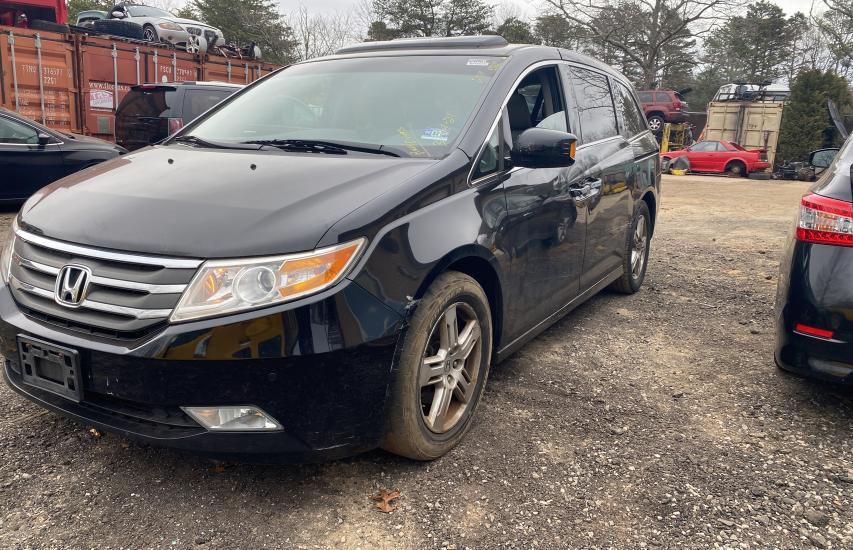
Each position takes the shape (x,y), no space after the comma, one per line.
(75,82)
(38,77)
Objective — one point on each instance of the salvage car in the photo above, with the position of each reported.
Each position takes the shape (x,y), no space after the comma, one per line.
(148,113)
(814,304)
(662,106)
(720,157)
(33,155)
(159,25)
(331,259)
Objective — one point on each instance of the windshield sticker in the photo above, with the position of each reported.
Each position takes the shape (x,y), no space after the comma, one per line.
(478,63)
(411,145)
(436,134)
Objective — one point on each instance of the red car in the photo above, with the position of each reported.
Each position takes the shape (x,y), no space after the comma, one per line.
(720,156)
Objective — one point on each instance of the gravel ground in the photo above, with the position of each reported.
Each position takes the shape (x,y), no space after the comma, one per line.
(656,420)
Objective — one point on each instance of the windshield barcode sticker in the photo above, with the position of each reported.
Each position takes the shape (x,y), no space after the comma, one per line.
(478,62)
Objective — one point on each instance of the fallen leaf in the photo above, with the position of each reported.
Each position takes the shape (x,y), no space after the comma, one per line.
(385,500)
(218,468)
(95,433)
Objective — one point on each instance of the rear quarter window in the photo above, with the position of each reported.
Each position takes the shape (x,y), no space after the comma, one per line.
(200,100)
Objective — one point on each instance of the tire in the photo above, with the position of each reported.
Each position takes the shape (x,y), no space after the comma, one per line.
(115,27)
(633,275)
(149,34)
(736,169)
(415,391)
(48,26)
(656,123)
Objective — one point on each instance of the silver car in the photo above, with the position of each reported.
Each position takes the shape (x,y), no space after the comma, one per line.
(161,26)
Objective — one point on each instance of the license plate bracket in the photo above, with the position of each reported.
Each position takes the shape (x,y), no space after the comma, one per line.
(50,367)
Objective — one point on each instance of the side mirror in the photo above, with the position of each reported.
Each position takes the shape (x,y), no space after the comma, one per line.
(43,138)
(822,158)
(117,14)
(543,148)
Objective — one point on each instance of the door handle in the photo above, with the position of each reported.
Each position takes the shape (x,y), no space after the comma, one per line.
(586,188)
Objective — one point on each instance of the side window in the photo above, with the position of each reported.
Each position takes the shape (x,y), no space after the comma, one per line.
(721,147)
(490,158)
(704,147)
(198,101)
(662,97)
(594,104)
(14,132)
(537,102)
(633,121)
(645,97)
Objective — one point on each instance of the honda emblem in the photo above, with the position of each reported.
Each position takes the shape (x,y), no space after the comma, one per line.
(72,285)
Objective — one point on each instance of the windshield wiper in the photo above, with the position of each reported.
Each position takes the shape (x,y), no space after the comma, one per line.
(200,142)
(330,147)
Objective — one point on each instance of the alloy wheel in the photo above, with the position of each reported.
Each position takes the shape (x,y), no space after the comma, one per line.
(450,367)
(638,250)
(149,34)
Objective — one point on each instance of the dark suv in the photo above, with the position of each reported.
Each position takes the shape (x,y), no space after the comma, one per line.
(149,113)
(662,106)
(331,259)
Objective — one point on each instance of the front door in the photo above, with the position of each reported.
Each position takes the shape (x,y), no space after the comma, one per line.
(26,165)
(546,217)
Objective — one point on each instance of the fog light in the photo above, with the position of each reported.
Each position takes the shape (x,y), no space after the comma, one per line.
(233,419)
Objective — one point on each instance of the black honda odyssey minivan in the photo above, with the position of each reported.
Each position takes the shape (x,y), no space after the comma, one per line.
(330,260)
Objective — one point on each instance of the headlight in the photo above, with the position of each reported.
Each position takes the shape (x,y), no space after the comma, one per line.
(170,26)
(228,286)
(8,248)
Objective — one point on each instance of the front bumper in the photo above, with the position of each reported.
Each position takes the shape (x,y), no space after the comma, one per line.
(816,289)
(321,367)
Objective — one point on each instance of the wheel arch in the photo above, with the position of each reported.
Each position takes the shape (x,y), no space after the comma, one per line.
(651,203)
(479,264)
(734,160)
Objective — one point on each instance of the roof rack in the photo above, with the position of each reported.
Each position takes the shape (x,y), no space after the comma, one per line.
(461,42)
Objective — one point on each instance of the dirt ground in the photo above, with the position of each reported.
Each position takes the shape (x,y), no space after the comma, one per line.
(656,420)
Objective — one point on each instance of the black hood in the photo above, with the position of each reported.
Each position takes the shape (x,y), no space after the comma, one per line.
(210,203)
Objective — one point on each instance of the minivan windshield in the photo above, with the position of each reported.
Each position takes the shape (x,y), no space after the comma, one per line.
(415,105)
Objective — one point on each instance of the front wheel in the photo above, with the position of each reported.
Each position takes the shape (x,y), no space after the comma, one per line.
(636,252)
(442,369)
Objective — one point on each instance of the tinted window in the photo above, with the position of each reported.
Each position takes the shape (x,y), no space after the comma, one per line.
(198,101)
(645,97)
(594,104)
(661,97)
(148,102)
(633,121)
(14,132)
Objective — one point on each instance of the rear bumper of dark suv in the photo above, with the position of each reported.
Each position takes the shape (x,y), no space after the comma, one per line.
(321,367)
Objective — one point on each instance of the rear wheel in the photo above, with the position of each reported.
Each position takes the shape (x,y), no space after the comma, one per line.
(636,252)
(656,123)
(442,369)
(736,169)
(149,34)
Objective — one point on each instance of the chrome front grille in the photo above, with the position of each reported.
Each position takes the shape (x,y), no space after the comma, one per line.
(127,296)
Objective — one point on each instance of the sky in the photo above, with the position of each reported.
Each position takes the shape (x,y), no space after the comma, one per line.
(530,8)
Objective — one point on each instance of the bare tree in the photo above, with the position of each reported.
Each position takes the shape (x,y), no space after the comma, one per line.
(322,34)
(648,29)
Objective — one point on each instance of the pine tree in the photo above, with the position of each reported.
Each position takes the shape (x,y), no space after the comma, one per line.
(245,21)
(806,124)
